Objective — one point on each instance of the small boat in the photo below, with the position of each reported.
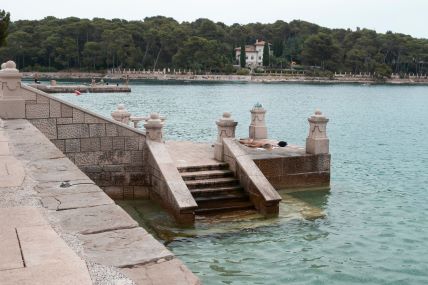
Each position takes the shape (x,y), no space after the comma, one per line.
(77,92)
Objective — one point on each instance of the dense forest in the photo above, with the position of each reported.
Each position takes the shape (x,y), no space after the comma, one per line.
(55,44)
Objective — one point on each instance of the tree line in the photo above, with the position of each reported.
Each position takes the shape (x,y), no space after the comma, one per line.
(53,44)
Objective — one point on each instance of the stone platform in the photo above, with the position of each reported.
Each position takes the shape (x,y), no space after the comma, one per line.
(186,154)
(289,168)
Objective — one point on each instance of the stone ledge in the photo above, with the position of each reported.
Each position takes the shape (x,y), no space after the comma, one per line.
(124,248)
(166,272)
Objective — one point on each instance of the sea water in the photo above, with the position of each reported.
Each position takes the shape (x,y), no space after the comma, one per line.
(374,228)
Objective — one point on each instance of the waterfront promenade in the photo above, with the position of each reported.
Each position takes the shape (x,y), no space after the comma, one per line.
(296,77)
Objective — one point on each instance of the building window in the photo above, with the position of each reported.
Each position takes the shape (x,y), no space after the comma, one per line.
(246,57)
(252,57)
(260,58)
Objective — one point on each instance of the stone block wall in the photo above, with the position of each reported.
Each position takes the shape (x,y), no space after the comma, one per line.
(110,153)
(295,172)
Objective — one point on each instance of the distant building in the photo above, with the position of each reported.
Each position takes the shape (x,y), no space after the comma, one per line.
(254,53)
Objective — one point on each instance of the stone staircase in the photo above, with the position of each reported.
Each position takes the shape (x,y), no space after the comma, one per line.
(215,189)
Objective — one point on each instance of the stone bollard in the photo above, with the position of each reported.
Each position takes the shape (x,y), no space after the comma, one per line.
(226,129)
(317,141)
(258,129)
(154,127)
(121,114)
(12,103)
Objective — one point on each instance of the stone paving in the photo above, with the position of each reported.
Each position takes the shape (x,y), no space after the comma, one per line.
(33,253)
(84,237)
(186,153)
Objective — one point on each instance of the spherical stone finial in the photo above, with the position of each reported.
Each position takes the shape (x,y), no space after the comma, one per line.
(154,116)
(10,64)
(318,112)
(227,115)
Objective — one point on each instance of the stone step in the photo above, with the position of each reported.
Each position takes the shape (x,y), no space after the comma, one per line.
(217,166)
(211,183)
(226,207)
(221,198)
(206,174)
(216,191)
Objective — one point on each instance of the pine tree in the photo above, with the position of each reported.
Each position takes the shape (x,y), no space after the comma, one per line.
(266,54)
(243,57)
(4,26)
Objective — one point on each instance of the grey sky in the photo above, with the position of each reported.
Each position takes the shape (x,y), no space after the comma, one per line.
(404,16)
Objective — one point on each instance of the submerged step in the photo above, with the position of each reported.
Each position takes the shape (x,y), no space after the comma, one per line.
(217,166)
(215,182)
(235,206)
(206,174)
(219,198)
(203,192)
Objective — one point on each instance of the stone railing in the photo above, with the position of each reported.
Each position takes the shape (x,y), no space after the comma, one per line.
(167,184)
(264,197)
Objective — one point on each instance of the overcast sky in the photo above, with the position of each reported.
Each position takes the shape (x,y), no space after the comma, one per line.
(404,16)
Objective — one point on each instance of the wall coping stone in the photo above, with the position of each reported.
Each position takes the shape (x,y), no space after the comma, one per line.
(41,93)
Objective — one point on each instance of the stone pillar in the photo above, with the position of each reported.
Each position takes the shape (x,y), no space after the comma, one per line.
(258,129)
(121,114)
(154,127)
(12,104)
(226,129)
(317,141)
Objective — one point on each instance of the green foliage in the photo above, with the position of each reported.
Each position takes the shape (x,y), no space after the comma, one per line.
(243,56)
(382,71)
(321,50)
(266,54)
(203,45)
(243,71)
(4,26)
(200,54)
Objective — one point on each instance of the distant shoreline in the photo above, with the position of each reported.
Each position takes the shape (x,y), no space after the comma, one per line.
(296,78)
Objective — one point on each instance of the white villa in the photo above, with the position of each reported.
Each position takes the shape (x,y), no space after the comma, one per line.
(254,53)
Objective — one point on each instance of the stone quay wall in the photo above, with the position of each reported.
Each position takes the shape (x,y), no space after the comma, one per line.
(110,153)
(296,172)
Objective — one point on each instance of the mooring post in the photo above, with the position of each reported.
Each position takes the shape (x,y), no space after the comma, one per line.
(226,127)
(154,126)
(12,103)
(258,129)
(121,114)
(317,141)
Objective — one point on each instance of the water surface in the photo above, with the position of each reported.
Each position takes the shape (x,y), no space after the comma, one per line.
(375,228)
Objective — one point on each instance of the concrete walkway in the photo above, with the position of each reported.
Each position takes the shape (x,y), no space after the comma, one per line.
(83,230)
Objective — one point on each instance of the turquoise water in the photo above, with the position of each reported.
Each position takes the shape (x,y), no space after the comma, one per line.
(375,228)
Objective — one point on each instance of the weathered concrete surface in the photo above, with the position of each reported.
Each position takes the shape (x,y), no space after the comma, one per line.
(100,232)
(31,252)
(95,219)
(167,272)
(73,201)
(124,248)
(11,170)
(10,251)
